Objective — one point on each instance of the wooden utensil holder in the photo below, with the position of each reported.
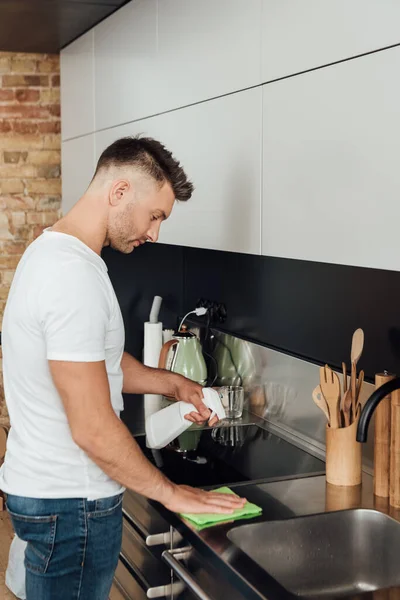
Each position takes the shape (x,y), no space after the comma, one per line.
(343,456)
(342,497)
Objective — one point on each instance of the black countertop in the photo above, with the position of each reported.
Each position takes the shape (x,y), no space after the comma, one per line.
(300,489)
(279,500)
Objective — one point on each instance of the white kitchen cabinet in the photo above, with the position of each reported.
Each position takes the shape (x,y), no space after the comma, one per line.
(125,49)
(77,89)
(331,177)
(297,36)
(219,144)
(206,49)
(77,169)
(152,56)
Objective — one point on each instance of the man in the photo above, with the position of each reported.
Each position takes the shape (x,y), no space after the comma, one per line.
(69,456)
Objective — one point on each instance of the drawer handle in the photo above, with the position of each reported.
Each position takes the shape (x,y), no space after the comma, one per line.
(155,539)
(160,591)
(172,558)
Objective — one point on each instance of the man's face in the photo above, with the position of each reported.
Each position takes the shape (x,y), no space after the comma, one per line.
(138,214)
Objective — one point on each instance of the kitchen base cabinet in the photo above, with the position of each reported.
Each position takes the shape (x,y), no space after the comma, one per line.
(195,578)
(125,587)
(149,573)
(156,562)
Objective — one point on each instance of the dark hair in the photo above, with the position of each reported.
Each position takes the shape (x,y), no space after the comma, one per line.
(151,157)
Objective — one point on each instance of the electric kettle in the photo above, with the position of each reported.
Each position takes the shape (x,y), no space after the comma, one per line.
(183,355)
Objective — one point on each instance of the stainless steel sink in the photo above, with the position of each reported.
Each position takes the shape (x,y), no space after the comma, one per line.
(329,555)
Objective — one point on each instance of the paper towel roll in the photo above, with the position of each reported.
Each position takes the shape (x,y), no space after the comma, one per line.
(168,334)
(152,404)
(153,341)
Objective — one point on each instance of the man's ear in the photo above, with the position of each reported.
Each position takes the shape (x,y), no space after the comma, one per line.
(118,191)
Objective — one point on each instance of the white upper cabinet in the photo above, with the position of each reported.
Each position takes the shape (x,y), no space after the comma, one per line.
(77,99)
(78,163)
(125,48)
(297,36)
(152,56)
(331,164)
(206,49)
(219,145)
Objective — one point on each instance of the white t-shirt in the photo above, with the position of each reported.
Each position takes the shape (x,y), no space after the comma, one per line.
(61,306)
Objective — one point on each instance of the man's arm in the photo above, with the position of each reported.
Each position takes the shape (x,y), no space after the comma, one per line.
(139,379)
(84,390)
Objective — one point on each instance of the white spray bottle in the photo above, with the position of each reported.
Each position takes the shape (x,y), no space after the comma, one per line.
(167,424)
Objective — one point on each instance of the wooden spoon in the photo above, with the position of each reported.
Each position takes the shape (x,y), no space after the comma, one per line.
(330,387)
(360,382)
(346,407)
(320,401)
(344,369)
(357,346)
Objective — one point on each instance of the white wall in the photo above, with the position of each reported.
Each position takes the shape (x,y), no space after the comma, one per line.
(301,165)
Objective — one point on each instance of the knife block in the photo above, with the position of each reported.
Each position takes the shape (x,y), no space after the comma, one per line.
(382,436)
(395,450)
(343,455)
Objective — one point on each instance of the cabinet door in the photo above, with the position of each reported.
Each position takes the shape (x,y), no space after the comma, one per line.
(197,572)
(206,49)
(302,35)
(77,169)
(125,587)
(77,91)
(125,47)
(219,145)
(331,183)
(152,57)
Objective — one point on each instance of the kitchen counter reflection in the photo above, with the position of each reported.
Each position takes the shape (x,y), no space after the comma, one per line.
(231,454)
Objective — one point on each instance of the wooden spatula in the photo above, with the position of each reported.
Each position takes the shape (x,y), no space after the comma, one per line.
(357,346)
(320,401)
(330,387)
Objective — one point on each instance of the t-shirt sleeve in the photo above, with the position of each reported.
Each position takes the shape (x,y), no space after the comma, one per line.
(75,313)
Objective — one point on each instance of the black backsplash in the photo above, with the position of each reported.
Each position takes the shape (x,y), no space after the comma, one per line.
(152,270)
(306,309)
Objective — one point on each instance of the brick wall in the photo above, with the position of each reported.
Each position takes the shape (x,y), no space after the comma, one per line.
(30,184)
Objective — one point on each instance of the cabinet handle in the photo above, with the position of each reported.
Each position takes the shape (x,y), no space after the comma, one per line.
(160,591)
(155,539)
(172,558)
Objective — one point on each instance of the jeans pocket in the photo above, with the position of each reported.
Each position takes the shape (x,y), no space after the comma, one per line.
(106,506)
(39,532)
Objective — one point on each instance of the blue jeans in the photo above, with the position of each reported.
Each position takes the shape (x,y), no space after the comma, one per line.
(72,545)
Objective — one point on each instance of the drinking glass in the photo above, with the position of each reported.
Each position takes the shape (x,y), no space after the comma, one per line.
(232,398)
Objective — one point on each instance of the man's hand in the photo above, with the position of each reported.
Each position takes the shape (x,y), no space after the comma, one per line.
(191,392)
(139,379)
(185,499)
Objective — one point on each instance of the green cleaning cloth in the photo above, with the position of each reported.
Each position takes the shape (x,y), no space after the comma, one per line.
(207,520)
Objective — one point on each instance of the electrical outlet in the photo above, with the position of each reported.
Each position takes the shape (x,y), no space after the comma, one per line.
(217,310)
